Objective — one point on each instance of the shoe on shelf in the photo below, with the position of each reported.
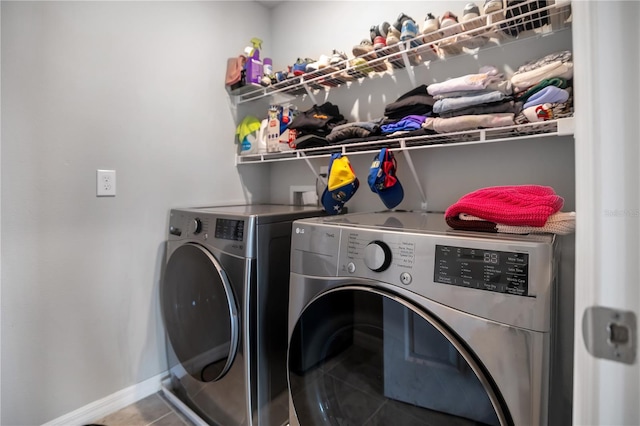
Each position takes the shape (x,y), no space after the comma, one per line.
(379,30)
(494,9)
(430,29)
(338,59)
(409,33)
(379,43)
(315,66)
(449,24)
(393,46)
(364,48)
(398,22)
(359,68)
(409,30)
(471,19)
(300,66)
(365,51)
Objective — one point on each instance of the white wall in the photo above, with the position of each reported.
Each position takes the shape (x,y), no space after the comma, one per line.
(131,86)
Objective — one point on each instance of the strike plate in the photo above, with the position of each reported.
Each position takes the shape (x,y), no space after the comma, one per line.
(610,333)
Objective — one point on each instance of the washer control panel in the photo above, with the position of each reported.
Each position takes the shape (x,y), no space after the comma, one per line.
(499,271)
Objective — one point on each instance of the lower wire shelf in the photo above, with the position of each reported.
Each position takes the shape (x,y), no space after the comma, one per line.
(551,128)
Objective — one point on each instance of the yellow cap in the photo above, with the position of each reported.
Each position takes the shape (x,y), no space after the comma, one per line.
(340,174)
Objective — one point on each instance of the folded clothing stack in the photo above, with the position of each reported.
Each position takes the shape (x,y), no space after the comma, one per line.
(544,86)
(514,209)
(472,101)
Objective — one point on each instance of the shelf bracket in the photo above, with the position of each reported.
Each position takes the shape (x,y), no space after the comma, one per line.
(313,169)
(407,64)
(416,178)
(310,93)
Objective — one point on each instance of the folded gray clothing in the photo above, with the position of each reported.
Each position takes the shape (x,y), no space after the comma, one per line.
(372,126)
(452,104)
(562,56)
(503,86)
(348,132)
(491,108)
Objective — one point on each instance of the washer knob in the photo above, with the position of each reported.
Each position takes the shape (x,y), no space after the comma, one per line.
(377,256)
(196,226)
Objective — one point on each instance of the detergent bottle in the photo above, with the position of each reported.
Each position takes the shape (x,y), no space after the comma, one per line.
(254,64)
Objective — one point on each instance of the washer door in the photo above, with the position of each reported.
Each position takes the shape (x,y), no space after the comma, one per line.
(200,313)
(360,356)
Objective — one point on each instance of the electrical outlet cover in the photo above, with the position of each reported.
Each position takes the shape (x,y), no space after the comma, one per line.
(106,183)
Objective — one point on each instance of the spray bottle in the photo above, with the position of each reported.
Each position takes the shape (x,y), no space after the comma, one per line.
(254,65)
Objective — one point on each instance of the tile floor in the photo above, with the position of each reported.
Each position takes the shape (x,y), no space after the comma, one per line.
(153,410)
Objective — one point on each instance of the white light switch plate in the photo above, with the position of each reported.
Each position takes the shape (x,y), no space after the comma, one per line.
(106,183)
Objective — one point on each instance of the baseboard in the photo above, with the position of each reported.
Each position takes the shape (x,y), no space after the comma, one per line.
(107,405)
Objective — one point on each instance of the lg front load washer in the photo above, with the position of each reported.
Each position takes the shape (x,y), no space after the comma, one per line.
(224,306)
(396,319)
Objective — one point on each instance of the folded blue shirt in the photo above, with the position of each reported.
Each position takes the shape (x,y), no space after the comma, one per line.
(548,95)
(410,122)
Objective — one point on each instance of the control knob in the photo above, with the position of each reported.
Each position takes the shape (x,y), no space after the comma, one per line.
(377,256)
(196,226)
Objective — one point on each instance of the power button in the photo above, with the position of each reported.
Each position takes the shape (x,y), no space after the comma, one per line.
(351,267)
(405,278)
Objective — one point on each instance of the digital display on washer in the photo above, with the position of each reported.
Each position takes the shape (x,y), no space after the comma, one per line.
(499,271)
(229,229)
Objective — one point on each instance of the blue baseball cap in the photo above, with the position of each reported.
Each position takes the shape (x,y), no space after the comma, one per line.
(383,181)
(342,183)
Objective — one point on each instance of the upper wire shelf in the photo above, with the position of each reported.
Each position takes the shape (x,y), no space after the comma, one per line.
(507,25)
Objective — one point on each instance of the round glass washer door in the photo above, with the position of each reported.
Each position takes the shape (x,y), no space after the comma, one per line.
(199,312)
(359,356)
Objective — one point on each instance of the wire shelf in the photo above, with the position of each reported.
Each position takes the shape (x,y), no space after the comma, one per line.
(559,127)
(507,25)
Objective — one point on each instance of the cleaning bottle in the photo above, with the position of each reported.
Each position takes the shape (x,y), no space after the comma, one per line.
(254,65)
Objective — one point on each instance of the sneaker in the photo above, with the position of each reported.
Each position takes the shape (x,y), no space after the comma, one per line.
(300,66)
(470,11)
(365,51)
(471,19)
(409,30)
(379,43)
(380,30)
(449,24)
(359,68)
(409,33)
(321,63)
(401,18)
(430,28)
(393,36)
(392,41)
(494,11)
(338,59)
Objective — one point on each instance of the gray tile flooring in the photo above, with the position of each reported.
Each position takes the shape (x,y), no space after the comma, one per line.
(153,410)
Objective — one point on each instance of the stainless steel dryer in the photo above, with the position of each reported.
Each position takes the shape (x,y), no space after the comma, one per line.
(396,319)
(224,305)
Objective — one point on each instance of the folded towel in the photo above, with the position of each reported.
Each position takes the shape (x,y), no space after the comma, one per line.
(516,205)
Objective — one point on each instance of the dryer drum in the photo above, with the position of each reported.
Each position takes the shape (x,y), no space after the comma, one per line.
(359,355)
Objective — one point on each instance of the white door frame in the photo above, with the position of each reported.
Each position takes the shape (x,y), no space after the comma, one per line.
(606,56)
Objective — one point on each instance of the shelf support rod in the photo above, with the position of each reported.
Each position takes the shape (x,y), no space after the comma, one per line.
(407,64)
(313,169)
(407,156)
(310,93)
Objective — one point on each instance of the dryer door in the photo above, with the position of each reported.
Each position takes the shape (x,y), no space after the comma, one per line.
(358,355)
(200,313)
